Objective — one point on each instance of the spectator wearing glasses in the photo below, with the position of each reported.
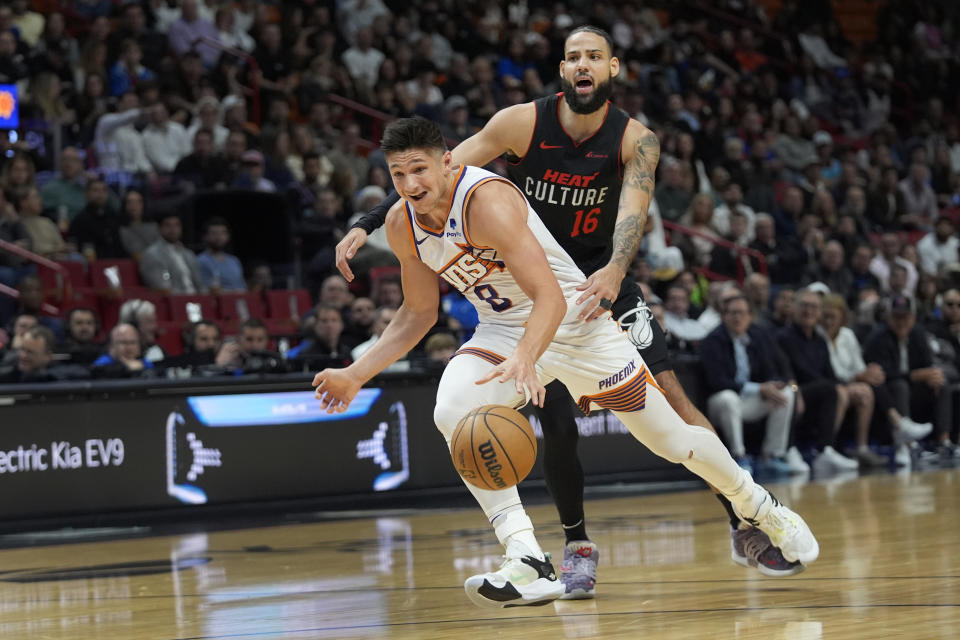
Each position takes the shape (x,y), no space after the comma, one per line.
(747,381)
(124,358)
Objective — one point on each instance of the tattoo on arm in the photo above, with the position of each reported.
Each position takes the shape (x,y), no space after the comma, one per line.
(638,184)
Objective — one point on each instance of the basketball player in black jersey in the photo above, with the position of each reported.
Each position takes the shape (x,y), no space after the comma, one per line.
(588,170)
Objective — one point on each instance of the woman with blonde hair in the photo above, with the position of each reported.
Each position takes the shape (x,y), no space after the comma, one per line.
(46,95)
(863,381)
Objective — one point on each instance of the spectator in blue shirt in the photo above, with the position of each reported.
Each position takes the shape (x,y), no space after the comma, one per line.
(220,270)
(127,72)
(123,358)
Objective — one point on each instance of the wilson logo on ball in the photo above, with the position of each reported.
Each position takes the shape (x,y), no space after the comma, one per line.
(490,462)
(493,447)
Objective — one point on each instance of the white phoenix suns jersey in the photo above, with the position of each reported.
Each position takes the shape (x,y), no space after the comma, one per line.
(476,271)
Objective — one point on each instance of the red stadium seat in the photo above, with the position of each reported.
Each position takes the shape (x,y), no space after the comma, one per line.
(170,337)
(240,306)
(126,272)
(53,284)
(110,304)
(288,304)
(85,297)
(181,309)
(77,272)
(282,328)
(378,273)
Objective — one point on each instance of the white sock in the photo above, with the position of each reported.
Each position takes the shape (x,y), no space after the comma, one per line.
(749,499)
(514,530)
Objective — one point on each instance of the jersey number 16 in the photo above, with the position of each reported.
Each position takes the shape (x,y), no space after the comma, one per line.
(585,223)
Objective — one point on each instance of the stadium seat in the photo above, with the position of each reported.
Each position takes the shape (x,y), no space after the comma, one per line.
(377,273)
(110,304)
(126,272)
(170,337)
(81,297)
(240,306)
(282,328)
(287,307)
(53,285)
(76,270)
(182,311)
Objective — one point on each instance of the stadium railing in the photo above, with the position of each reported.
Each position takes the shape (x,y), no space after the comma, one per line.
(755,255)
(62,277)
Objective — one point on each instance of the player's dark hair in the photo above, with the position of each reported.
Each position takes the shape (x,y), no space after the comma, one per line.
(412,133)
(594,30)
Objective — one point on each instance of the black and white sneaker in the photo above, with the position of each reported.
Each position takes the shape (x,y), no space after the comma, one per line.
(519,582)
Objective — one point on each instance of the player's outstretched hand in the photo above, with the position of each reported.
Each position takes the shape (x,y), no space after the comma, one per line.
(524,375)
(599,292)
(347,248)
(335,389)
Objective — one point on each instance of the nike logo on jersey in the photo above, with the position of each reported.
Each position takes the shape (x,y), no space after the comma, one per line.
(591,154)
(421,241)
(544,145)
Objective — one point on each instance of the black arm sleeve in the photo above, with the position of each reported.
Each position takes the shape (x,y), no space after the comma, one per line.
(375,218)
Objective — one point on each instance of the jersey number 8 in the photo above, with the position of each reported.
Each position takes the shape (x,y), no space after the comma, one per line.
(489,295)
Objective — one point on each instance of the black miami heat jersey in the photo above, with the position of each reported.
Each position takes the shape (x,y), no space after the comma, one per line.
(575,188)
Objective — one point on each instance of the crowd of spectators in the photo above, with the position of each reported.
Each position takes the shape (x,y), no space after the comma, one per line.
(820,173)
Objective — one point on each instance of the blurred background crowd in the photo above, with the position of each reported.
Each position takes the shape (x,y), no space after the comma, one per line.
(804,149)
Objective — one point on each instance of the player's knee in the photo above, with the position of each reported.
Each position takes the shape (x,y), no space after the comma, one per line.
(664,439)
(446,415)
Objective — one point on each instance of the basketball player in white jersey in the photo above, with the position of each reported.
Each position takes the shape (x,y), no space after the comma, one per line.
(477,231)
(588,169)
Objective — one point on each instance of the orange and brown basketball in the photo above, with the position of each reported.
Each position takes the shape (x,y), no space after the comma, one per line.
(493,447)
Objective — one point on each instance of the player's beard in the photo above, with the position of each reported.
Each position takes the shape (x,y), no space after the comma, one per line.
(586,104)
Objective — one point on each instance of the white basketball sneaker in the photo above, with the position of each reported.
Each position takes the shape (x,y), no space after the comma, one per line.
(786,529)
(519,582)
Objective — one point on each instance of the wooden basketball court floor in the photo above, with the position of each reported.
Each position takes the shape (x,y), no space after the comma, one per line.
(889,568)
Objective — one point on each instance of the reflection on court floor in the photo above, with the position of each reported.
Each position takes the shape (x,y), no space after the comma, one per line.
(890,568)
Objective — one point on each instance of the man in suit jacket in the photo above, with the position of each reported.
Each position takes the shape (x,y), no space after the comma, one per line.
(918,388)
(169,266)
(748,379)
